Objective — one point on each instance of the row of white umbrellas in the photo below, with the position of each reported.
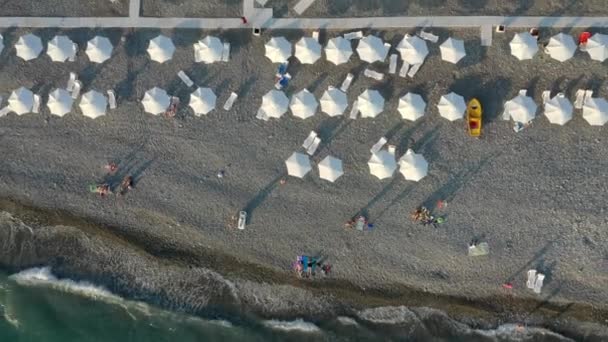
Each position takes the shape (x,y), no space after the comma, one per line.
(298,165)
(61,48)
(560,47)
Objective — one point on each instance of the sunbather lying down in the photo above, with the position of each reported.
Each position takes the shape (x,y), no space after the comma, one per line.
(305,266)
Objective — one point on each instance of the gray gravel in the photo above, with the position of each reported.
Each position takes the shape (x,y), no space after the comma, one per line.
(192,8)
(64,8)
(537,197)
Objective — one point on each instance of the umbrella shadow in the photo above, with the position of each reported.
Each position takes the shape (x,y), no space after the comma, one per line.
(129,166)
(403,194)
(261,196)
(537,256)
(364,211)
(491,94)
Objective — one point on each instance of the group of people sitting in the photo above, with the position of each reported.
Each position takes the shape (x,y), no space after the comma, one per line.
(306,266)
(424,216)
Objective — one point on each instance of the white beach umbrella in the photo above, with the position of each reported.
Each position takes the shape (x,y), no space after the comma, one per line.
(208,50)
(521,108)
(338,50)
(413,166)
(28,47)
(21,101)
(60,102)
(93,104)
(334,102)
(61,48)
(382,164)
(274,104)
(452,106)
(1,43)
(161,49)
(298,165)
(558,110)
(330,169)
(523,46)
(202,101)
(99,49)
(278,49)
(370,103)
(411,106)
(595,111)
(308,50)
(561,47)
(156,101)
(303,104)
(452,50)
(597,47)
(413,50)
(371,49)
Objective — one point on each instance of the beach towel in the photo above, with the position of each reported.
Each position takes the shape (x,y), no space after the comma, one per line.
(304,263)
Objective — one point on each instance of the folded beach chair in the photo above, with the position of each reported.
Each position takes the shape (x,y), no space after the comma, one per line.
(226,52)
(546,96)
(388,47)
(5,111)
(71,81)
(76,89)
(588,95)
(580,99)
(404,68)
(355,110)
(111,99)
(309,140)
(413,70)
(242,220)
(313,147)
(428,36)
(347,81)
(373,74)
(353,35)
(182,76)
(378,145)
(531,279)
(538,284)
(36,104)
(392,64)
(230,102)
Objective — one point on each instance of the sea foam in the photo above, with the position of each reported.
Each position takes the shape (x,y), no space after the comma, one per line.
(297,325)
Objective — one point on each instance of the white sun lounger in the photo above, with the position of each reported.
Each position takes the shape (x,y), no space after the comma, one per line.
(71,81)
(309,140)
(76,90)
(373,74)
(413,70)
(531,279)
(479,249)
(111,99)
(230,102)
(355,110)
(428,36)
(242,220)
(546,96)
(72,58)
(580,99)
(5,111)
(226,52)
(523,92)
(388,48)
(353,35)
(313,147)
(378,146)
(392,64)
(36,104)
(404,68)
(347,81)
(315,35)
(588,95)
(538,284)
(182,76)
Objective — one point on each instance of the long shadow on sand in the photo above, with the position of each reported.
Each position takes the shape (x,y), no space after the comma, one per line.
(534,260)
(491,94)
(261,196)
(130,165)
(364,211)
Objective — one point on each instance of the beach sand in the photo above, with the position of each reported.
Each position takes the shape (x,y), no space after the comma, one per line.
(537,197)
(62,8)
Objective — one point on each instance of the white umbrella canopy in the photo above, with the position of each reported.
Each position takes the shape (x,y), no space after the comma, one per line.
(21,101)
(28,47)
(93,104)
(60,102)
(308,50)
(561,47)
(558,110)
(99,49)
(278,49)
(382,164)
(202,101)
(597,47)
(298,165)
(413,166)
(595,111)
(330,169)
(370,103)
(452,106)
(208,50)
(1,43)
(371,49)
(334,102)
(338,50)
(61,48)
(161,49)
(303,104)
(523,46)
(274,104)
(411,106)
(413,50)
(521,108)
(452,50)
(156,101)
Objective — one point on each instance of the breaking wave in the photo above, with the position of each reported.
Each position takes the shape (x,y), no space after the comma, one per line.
(297,325)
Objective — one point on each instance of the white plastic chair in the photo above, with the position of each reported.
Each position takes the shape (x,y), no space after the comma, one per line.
(111,99)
